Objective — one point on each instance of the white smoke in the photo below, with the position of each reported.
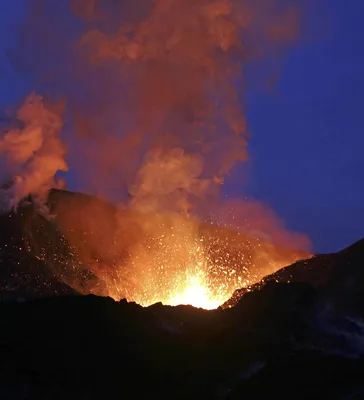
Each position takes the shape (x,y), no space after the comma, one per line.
(31,154)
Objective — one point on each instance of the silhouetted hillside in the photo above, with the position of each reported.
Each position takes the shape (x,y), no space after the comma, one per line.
(339,275)
(86,239)
(279,341)
(298,333)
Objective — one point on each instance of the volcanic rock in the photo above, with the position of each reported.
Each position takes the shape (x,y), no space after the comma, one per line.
(340,275)
(82,239)
(24,274)
(298,333)
(277,340)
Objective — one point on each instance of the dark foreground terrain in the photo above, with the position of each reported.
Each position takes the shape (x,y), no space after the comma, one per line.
(297,334)
(290,340)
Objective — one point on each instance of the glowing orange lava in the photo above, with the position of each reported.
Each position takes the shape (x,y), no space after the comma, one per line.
(173,267)
(177,265)
(197,294)
(173,259)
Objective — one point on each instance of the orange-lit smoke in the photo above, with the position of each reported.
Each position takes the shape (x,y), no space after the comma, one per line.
(32,153)
(144,74)
(154,90)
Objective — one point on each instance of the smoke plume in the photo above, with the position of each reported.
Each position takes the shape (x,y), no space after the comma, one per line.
(154,91)
(146,74)
(32,153)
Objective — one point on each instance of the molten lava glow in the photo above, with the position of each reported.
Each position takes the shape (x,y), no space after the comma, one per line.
(173,267)
(196,294)
(174,264)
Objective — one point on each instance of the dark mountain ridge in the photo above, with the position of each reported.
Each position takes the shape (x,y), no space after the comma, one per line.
(292,340)
(85,239)
(298,333)
(340,275)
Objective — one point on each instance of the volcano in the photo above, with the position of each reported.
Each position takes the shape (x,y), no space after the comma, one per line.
(83,245)
(298,333)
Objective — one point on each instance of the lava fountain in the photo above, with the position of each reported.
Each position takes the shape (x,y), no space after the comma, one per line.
(153,94)
(176,259)
(180,270)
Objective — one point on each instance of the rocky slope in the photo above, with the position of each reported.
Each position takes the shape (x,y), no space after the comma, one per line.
(86,241)
(340,276)
(284,340)
(298,333)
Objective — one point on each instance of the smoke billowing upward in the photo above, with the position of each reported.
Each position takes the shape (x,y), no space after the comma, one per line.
(145,74)
(155,113)
(167,180)
(32,152)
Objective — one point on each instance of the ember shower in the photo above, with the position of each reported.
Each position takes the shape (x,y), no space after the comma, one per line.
(154,117)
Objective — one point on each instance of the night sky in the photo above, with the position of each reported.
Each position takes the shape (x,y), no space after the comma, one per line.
(306,151)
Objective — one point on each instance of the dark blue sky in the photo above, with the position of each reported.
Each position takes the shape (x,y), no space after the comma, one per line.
(307,142)
(306,150)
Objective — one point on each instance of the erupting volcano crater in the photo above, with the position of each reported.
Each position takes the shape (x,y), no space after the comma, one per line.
(94,247)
